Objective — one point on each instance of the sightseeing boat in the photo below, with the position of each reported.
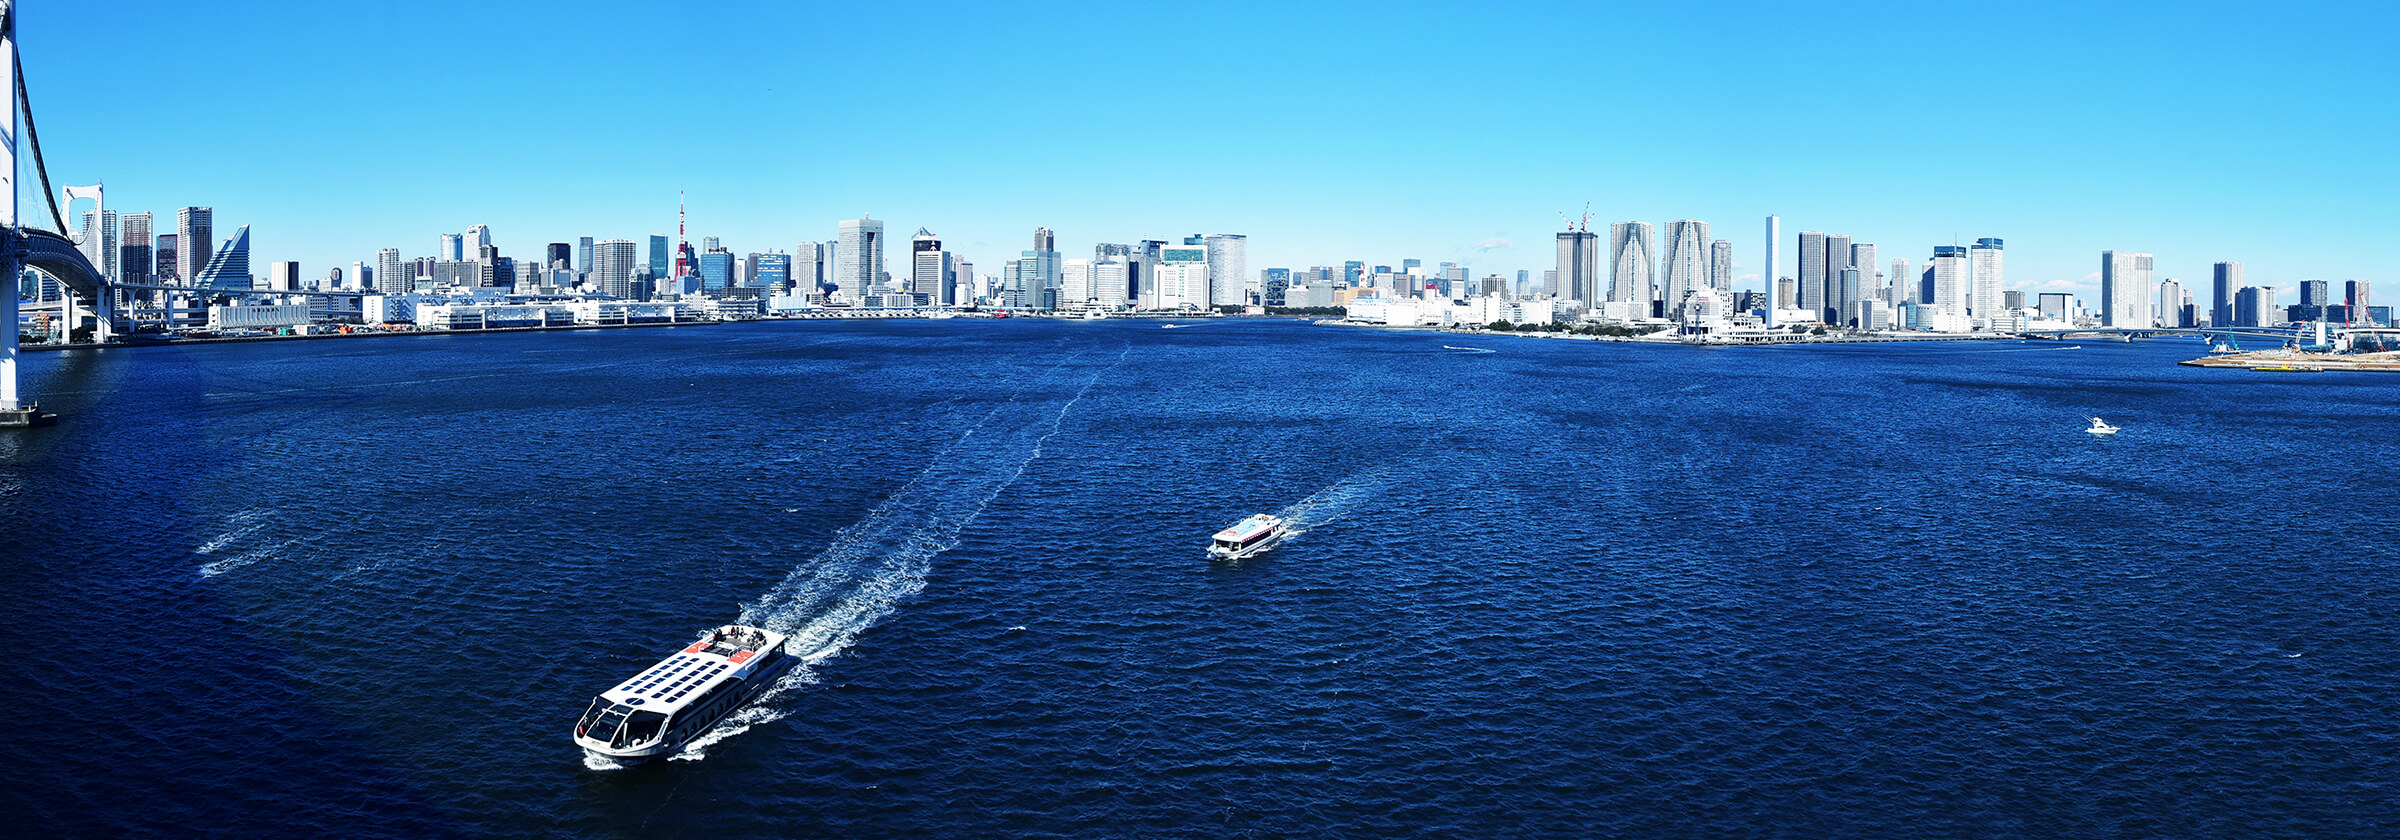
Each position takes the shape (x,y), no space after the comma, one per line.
(1250,536)
(660,710)
(2100,427)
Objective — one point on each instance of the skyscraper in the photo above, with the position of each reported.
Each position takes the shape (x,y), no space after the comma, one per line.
(2170,303)
(229,267)
(1903,284)
(716,270)
(165,255)
(1862,258)
(809,268)
(858,257)
(192,232)
(453,248)
(477,238)
(1766,274)
(613,265)
(2228,281)
(929,273)
(283,276)
(1228,269)
(1632,264)
(1720,267)
(1812,274)
(658,255)
(1985,255)
(1837,260)
(583,256)
(1578,274)
(1950,275)
(1685,261)
(100,241)
(2354,299)
(133,250)
(392,275)
(556,255)
(2125,290)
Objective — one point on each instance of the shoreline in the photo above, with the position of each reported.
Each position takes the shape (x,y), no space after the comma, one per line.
(28,348)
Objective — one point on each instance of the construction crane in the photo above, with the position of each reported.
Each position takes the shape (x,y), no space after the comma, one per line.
(1574,226)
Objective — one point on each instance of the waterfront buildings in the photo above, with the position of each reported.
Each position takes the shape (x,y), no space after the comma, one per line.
(929,268)
(2228,280)
(134,249)
(1577,276)
(857,257)
(1946,280)
(392,277)
(1632,265)
(614,266)
(1685,260)
(2171,303)
(229,267)
(193,227)
(2125,290)
(1811,281)
(1228,269)
(2253,306)
(1777,296)
(2354,298)
(1984,303)
(1720,268)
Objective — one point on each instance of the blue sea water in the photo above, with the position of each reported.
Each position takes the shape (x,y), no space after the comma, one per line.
(1557,589)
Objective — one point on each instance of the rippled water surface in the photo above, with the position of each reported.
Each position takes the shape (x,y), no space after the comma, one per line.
(1563,589)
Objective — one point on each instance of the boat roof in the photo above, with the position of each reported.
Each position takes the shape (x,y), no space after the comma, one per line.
(1257,523)
(683,677)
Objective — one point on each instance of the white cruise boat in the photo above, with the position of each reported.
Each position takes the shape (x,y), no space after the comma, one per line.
(1250,536)
(658,711)
(2101,427)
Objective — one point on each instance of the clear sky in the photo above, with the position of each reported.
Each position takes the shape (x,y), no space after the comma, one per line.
(1377,131)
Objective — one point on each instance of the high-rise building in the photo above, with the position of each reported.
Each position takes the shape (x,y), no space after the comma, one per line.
(583,256)
(858,257)
(453,248)
(1864,285)
(1984,257)
(2170,303)
(1949,280)
(133,251)
(774,273)
(2254,306)
(477,238)
(2125,290)
(192,231)
(1074,283)
(557,254)
(1684,260)
(1183,276)
(1903,284)
(658,255)
(1228,269)
(2354,299)
(929,273)
(2315,293)
(100,241)
(1632,264)
(1578,274)
(1811,285)
(810,267)
(229,267)
(361,277)
(1777,298)
(716,270)
(165,254)
(613,265)
(283,276)
(2228,280)
(1720,267)
(393,276)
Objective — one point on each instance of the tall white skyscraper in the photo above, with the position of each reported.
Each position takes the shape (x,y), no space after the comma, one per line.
(1109,281)
(1578,274)
(453,248)
(929,269)
(192,243)
(1811,285)
(809,268)
(1685,260)
(2170,303)
(1182,276)
(477,238)
(1228,261)
(1904,284)
(1985,304)
(613,264)
(1766,275)
(1951,274)
(2125,290)
(1862,258)
(100,241)
(1831,303)
(1075,284)
(391,275)
(858,257)
(1632,262)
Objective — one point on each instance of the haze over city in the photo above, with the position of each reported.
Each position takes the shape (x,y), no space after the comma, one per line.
(1410,131)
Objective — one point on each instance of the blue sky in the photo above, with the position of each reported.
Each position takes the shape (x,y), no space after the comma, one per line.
(2197,132)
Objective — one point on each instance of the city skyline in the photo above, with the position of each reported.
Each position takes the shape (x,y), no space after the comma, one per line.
(1367,160)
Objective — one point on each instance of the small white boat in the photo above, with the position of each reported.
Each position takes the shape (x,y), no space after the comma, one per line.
(2101,427)
(1250,536)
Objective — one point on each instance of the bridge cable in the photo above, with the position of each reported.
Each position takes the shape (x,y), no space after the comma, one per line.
(25,105)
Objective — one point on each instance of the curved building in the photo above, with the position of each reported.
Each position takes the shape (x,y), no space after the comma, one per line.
(229,267)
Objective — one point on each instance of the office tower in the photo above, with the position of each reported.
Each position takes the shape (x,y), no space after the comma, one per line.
(2354,299)
(283,276)
(1523,276)
(168,269)
(1632,265)
(229,267)
(1949,280)
(1812,277)
(133,251)
(809,267)
(1108,281)
(2170,303)
(192,231)
(100,242)
(2228,279)
(1127,256)
(2055,306)
(1684,261)
(1074,283)
(583,256)
(929,273)
(2012,300)
(613,265)
(452,249)
(477,238)
(2315,292)
(1274,285)
(1492,284)
(556,255)
(1228,268)
(1777,297)
(361,278)
(1353,271)
(857,257)
(716,270)
(1577,276)
(1720,267)
(2254,306)
(1904,287)
(1837,258)
(1984,259)
(746,270)
(392,276)
(2125,290)
(1182,273)
(773,274)
(1044,240)
(1862,287)
(1034,277)
(658,255)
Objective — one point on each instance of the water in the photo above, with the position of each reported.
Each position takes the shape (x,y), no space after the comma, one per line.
(1557,589)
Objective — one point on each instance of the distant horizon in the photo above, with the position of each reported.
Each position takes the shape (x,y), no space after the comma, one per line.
(1419,132)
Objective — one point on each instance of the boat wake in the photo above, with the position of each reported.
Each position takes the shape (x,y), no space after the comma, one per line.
(881,560)
(229,547)
(1333,502)
(1470,349)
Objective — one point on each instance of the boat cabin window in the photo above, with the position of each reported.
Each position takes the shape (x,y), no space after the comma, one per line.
(641,728)
(605,728)
(599,704)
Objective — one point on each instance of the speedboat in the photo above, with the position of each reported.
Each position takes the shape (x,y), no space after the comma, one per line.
(1250,536)
(2101,427)
(659,710)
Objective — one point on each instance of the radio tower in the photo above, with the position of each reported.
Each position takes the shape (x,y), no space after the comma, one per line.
(683,247)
